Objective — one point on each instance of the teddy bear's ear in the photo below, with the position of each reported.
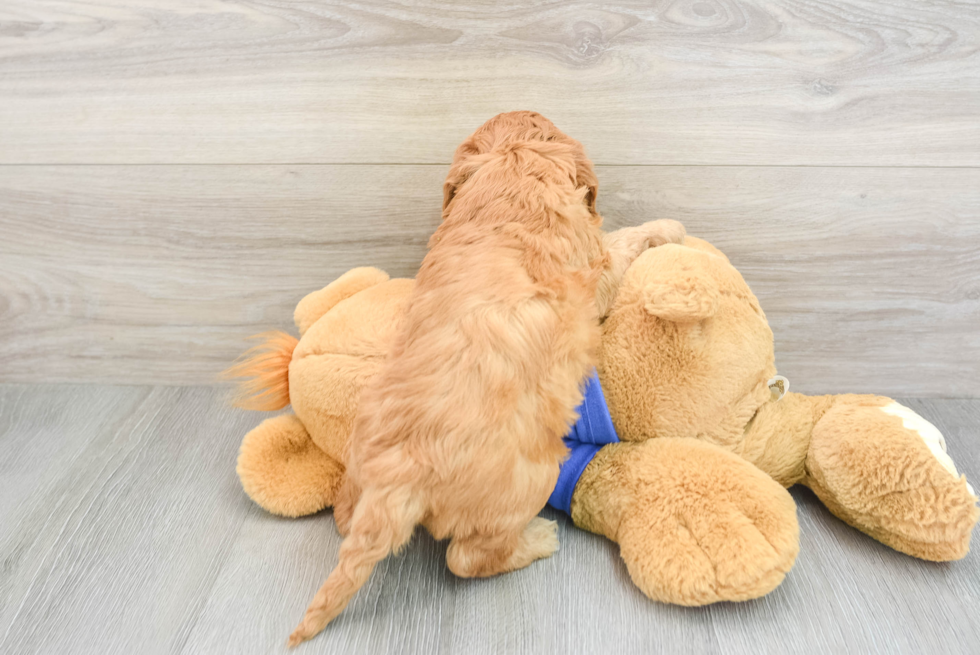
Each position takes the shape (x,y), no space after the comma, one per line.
(681,301)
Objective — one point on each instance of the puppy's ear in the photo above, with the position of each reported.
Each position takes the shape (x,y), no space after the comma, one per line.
(448,191)
(459,172)
(464,165)
(456,175)
(585,177)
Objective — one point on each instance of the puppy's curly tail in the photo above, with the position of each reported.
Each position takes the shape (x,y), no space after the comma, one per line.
(264,372)
(383,522)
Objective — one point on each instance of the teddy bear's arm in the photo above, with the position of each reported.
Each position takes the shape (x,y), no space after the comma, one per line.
(316,304)
(624,246)
(695,523)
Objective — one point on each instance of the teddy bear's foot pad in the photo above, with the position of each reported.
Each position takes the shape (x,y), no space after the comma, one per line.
(283,471)
(884,469)
(702,524)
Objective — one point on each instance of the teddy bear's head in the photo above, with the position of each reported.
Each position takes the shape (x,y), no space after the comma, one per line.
(339,353)
(686,350)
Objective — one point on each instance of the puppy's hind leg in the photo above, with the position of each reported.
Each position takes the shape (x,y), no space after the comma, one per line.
(480,555)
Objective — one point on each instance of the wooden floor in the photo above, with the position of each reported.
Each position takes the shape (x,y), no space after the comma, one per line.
(123,530)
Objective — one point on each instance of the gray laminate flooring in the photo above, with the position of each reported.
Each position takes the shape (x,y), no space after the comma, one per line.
(123,530)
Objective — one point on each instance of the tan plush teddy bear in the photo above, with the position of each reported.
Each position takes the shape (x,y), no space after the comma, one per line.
(694,491)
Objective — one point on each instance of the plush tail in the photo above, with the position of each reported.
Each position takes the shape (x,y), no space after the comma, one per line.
(265,369)
(383,522)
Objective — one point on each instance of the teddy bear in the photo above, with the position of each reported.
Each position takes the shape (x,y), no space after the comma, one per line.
(703,438)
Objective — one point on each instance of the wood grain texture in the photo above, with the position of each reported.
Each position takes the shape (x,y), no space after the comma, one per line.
(156,274)
(123,529)
(125,504)
(843,82)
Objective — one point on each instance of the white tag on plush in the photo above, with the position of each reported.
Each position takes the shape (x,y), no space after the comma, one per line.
(778,386)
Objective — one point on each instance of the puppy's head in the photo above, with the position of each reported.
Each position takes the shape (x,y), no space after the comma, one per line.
(520,129)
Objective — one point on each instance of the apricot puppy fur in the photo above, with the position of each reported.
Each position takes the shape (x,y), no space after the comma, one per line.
(461,431)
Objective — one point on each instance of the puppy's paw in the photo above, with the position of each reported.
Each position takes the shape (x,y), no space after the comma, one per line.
(541,537)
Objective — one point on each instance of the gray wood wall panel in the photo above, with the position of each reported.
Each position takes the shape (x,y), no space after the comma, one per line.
(127,532)
(155,274)
(843,82)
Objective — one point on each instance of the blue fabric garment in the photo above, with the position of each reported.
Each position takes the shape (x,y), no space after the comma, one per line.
(593,430)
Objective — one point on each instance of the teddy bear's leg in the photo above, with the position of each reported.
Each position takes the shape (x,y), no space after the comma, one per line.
(882,468)
(314,305)
(283,471)
(695,523)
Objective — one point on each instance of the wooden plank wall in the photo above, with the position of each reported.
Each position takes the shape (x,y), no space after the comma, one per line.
(175,175)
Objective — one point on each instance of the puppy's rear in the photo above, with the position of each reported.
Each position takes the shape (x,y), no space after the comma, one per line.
(462,430)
